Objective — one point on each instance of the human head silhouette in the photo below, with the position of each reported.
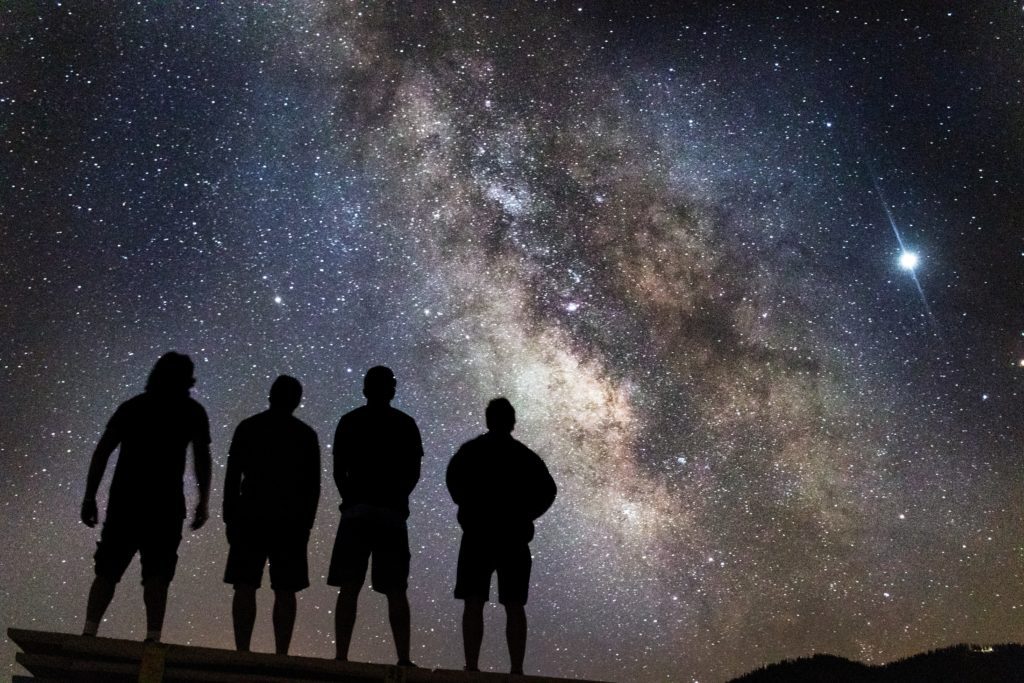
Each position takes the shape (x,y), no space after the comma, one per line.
(172,373)
(285,394)
(500,415)
(379,384)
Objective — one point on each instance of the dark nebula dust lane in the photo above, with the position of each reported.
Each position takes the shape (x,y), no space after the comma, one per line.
(671,236)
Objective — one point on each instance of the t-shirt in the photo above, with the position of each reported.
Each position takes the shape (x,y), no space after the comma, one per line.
(377,454)
(273,472)
(500,486)
(154,431)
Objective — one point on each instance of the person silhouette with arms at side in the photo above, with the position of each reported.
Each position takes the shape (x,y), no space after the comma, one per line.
(501,487)
(377,453)
(146,505)
(271,491)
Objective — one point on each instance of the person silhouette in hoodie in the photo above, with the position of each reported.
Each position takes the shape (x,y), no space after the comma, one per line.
(501,488)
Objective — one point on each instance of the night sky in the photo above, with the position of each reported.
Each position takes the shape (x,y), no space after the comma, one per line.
(670,233)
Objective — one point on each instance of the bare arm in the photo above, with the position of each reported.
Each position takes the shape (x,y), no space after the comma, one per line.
(97,466)
(232,481)
(313,481)
(416,442)
(340,464)
(453,478)
(203,466)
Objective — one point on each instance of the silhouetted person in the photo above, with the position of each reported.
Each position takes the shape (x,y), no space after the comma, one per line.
(501,487)
(377,453)
(271,492)
(146,506)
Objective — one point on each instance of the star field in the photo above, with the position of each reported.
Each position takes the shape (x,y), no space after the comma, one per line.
(671,236)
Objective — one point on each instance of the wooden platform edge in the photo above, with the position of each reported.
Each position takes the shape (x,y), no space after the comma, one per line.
(45,654)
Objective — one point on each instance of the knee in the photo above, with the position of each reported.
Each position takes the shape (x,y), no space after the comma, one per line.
(515,611)
(473,606)
(397,597)
(348,594)
(104,583)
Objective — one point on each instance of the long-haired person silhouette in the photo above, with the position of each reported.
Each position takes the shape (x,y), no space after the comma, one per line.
(146,506)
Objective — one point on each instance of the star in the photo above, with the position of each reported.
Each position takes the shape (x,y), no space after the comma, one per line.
(909,260)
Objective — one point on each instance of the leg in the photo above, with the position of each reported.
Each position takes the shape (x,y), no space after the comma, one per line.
(243,615)
(515,633)
(118,544)
(158,555)
(289,574)
(100,595)
(472,632)
(398,615)
(513,591)
(284,620)
(349,560)
(154,594)
(345,618)
(390,576)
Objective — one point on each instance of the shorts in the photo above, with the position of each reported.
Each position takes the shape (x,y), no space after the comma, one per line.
(155,540)
(254,543)
(480,557)
(361,537)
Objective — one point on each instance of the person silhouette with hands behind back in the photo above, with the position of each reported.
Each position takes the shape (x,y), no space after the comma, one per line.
(501,487)
(377,453)
(271,491)
(146,506)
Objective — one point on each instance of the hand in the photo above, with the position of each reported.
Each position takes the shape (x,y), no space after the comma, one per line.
(90,515)
(202,514)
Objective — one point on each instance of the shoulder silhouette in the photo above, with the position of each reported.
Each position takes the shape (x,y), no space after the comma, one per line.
(499,484)
(273,469)
(377,450)
(154,430)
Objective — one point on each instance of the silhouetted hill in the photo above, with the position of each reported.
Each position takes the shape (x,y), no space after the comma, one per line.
(961,663)
(956,664)
(812,670)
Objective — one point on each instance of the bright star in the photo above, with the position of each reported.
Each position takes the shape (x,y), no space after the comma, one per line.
(909,260)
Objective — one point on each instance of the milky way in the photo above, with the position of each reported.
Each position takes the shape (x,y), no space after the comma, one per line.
(660,232)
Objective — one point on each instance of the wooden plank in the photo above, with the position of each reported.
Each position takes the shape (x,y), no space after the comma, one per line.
(151,668)
(45,642)
(37,642)
(78,671)
(271,664)
(66,654)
